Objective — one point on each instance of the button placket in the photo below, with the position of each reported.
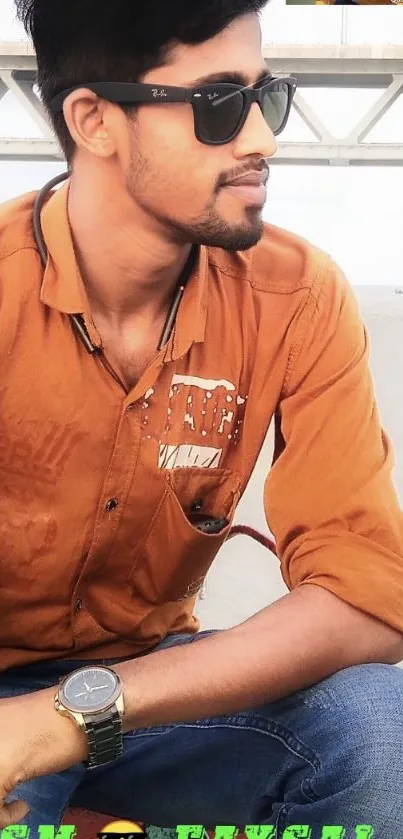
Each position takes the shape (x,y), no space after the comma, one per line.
(119,477)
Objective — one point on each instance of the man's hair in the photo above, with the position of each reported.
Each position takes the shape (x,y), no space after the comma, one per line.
(79,41)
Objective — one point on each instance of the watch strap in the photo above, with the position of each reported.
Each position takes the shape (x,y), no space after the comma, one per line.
(104,736)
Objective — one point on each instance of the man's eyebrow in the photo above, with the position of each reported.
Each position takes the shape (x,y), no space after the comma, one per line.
(229,77)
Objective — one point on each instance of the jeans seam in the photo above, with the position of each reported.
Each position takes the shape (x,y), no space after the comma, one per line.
(261,726)
(258,724)
(282,819)
(310,794)
(145,732)
(284,811)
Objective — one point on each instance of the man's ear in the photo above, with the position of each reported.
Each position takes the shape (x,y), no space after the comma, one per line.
(89,123)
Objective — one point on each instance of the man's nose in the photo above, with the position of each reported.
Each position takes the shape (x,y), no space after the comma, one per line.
(255,138)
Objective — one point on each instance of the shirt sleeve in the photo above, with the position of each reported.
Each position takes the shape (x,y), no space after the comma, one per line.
(330,500)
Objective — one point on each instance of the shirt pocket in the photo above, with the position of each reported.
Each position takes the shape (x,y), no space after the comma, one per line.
(174,557)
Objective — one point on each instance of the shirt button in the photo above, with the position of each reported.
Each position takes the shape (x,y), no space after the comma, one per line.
(78,607)
(111,505)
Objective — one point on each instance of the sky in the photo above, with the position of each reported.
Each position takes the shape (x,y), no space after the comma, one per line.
(354,213)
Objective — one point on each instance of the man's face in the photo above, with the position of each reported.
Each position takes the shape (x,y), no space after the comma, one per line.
(178,181)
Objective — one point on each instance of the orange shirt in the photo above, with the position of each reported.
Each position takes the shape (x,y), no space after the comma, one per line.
(97,556)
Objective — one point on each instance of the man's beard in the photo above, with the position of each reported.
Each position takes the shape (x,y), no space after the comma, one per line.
(210,229)
(214,232)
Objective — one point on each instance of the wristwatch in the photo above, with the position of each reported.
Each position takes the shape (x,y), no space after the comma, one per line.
(93,698)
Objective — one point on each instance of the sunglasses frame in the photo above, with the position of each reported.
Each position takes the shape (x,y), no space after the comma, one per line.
(134,93)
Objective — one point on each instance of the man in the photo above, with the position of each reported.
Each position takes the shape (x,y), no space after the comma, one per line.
(125,451)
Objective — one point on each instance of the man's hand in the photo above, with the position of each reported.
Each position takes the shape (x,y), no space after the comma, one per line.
(35,740)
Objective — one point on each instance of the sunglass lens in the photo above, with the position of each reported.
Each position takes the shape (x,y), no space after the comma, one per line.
(275,105)
(219,117)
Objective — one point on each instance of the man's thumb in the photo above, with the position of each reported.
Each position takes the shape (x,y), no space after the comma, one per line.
(12,813)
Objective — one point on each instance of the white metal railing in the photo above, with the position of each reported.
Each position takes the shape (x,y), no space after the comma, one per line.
(325,65)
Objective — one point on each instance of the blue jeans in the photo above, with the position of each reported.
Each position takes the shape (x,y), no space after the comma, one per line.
(331,754)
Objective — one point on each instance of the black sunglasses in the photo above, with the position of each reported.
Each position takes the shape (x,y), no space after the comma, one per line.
(220,110)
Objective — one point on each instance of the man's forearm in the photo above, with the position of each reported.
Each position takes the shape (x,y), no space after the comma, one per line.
(297,641)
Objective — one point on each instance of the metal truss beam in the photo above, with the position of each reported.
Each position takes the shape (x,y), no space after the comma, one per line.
(334,66)
(311,119)
(3,89)
(330,63)
(340,153)
(23,91)
(377,111)
(30,150)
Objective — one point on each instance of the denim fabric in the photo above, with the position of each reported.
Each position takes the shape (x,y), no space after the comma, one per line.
(331,754)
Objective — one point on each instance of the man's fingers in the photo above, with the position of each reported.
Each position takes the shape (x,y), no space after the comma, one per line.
(12,813)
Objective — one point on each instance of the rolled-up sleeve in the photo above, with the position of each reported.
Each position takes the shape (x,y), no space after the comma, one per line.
(330,499)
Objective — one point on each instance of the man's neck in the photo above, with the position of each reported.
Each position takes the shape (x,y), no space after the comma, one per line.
(128,269)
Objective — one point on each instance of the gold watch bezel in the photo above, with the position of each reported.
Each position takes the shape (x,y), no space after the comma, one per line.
(64,706)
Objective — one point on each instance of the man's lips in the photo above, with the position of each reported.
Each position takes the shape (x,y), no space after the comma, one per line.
(251,187)
(249,179)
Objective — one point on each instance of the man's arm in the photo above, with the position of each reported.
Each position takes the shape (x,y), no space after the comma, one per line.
(291,644)
(333,509)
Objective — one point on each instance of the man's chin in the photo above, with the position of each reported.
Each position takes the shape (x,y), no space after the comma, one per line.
(244,243)
(230,235)
(237,238)
(216,232)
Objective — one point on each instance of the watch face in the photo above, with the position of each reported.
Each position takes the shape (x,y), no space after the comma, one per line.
(90,689)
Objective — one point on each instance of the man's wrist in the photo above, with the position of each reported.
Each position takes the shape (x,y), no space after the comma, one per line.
(98,720)
(34,717)
(68,732)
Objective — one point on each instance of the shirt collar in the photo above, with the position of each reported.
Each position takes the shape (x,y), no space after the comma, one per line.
(191,320)
(63,288)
